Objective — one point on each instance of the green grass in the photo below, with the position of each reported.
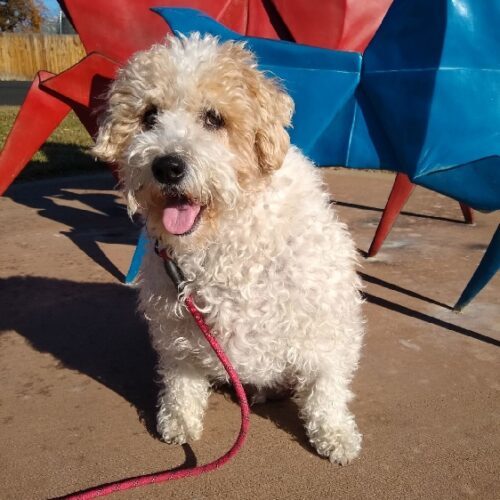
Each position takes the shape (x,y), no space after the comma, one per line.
(65,152)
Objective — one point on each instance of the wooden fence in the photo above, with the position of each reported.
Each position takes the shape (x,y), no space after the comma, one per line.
(22,55)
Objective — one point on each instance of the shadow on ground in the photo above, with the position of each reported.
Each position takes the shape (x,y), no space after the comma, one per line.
(89,327)
(102,220)
(93,328)
(403,212)
(61,158)
(279,408)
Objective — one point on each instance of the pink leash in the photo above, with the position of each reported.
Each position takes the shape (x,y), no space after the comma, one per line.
(159,477)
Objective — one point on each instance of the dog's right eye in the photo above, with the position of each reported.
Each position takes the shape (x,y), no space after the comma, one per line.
(212,120)
(150,117)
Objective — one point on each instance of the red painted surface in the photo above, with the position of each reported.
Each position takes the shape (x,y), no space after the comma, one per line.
(468,213)
(112,30)
(334,24)
(401,191)
(85,82)
(39,116)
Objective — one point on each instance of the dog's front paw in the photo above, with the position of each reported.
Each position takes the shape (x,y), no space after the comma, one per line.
(177,429)
(341,443)
(346,448)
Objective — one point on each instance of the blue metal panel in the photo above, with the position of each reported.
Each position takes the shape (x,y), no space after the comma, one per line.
(424,101)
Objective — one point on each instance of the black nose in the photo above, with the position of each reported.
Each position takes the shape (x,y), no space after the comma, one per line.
(169,169)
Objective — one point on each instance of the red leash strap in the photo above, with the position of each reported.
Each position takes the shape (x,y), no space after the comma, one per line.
(159,477)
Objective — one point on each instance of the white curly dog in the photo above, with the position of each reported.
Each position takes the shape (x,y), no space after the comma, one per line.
(198,133)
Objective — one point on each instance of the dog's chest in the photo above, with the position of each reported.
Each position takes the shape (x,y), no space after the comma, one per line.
(251,327)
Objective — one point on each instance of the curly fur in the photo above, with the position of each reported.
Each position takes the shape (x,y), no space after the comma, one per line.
(269,264)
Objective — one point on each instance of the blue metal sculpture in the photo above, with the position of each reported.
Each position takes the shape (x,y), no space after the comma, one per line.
(487,268)
(424,99)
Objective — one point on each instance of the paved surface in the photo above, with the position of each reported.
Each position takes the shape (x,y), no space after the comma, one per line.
(12,93)
(76,370)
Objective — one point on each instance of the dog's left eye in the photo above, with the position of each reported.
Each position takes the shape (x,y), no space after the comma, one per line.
(149,117)
(212,120)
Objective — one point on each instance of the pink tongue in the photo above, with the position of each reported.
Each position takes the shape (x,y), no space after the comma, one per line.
(179,217)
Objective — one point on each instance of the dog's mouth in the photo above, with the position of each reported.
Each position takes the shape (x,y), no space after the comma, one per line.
(181,215)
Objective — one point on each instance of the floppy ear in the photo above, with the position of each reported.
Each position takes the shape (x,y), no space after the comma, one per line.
(105,147)
(116,123)
(272,140)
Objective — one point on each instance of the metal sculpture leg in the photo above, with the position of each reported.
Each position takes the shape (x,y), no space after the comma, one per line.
(135,265)
(38,117)
(401,191)
(467,212)
(487,268)
(84,86)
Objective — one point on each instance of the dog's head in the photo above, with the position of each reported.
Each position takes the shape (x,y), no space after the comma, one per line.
(193,126)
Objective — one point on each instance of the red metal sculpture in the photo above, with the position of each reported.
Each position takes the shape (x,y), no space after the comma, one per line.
(337,24)
(401,191)
(113,30)
(80,88)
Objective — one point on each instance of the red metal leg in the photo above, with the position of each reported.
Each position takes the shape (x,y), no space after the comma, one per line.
(85,83)
(468,213)
(84,87)
(49,100)
(401,191)
(39,115)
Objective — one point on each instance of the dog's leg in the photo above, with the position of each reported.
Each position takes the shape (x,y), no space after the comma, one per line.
(182,402)
(329,424)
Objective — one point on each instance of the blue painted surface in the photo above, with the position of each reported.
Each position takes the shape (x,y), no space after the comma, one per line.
(488,267)
(424,99)
(139,252)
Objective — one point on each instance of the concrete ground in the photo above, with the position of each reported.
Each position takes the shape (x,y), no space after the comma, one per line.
(76,369)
